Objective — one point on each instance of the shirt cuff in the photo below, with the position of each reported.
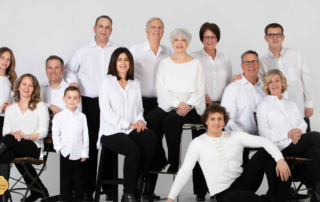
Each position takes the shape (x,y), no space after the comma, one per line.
(125,125)
(308,104)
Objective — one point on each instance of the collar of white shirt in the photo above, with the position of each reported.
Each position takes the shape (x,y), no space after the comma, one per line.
(203,52)
(93,43)
(70,113)
(244,81)
(274,98)
(282,52)
(62,84)
(147,47)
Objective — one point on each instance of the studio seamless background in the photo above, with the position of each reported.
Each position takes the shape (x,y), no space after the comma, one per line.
(35,29)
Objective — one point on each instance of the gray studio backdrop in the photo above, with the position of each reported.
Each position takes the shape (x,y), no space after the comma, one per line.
(35,29)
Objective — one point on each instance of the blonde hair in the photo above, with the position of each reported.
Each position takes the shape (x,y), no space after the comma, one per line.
(267,79)
(35,97)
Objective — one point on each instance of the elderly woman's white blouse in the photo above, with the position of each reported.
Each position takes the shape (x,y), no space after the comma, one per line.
(277,117)
(119,107)
(181,83)
(31,122)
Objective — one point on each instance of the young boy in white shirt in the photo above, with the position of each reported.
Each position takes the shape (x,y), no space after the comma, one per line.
(71,141)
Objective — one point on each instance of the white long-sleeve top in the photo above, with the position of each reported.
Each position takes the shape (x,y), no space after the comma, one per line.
(6,93)
(220,159)
(277,117)
(54,96)
(31,122)
(70,134)
(119,107)
(218,73)
(88,65)
(181,83)
(241,99)
(146,65)
(296,70)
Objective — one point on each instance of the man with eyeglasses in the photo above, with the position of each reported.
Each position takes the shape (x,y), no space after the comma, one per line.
(293,65)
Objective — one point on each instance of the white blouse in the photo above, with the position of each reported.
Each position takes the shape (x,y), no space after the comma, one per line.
(119,107)
(218,72)
(277,117)
(220,159)
(6,93)
(181,83)
(31,122)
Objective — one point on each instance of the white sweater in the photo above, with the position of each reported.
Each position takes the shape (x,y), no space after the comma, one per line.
(220,159)
(5,91)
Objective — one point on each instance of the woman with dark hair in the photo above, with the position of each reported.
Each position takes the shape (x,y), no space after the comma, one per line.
(281,121)
(25,126)
(219,154)
(8,77)
(122,126)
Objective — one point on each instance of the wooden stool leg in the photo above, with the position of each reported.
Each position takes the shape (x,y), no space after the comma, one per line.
(98,187)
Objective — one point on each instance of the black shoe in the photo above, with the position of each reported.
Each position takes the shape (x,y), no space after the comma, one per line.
(302,197)
(109,196)
(153,196)
(201,197)
(36,196)
(88,197)
(126,197)
(213,199)
(292,200)
(315,192)
(139,188)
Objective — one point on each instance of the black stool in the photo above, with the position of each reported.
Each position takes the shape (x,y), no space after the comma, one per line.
(116,181)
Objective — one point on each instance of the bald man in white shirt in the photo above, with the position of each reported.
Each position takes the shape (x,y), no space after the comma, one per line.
(294,67)
(85,69)
(147,56)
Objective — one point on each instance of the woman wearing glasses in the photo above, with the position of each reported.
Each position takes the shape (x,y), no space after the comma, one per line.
(218,74)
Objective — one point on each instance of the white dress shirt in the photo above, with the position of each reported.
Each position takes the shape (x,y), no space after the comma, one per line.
(119,107)
(5,91)
(70,134)
(241,99)
(218,73)
(90,63)
(277,117)
(146,66)
(54,96)
(296,70)
(31,122)
(220,159)
(181,83)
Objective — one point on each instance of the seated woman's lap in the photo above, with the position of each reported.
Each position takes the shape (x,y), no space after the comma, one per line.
(16,149)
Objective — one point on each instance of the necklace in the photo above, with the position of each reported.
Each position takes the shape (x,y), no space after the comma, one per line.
(123,82)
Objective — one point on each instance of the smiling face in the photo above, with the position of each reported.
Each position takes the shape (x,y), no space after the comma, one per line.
(180,44)
(215,123)
(252,69)
(54,70)
(103,30)
(123,64)
(209,40)
(72,99)
(275,85)
(274,43)
(155,30)
(5,60)
(26,87)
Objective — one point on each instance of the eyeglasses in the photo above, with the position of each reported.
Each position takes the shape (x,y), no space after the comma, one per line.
(247,63)
(209,37)
(278,35)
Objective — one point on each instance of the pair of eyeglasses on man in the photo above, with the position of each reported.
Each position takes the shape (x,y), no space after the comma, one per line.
(278,35)
(209,37)
(247,63)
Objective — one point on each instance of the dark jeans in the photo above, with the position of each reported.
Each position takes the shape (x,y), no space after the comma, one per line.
(90,107)
(1,126)
(24,148)
(138,149)
(251,178)
(71,178)
(309,147)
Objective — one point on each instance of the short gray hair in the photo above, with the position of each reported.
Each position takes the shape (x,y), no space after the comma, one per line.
(249,52)
(154,18)
(180,32)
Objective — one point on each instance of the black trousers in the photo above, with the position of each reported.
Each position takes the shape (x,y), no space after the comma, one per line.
(138,149)
(71,178)
(249,181)
(1,126)
(172,123)
(307,120)
(24,148)
(309,147)
(90,107)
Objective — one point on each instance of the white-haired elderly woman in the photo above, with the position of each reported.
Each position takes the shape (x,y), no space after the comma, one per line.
(180,91)
(280,120)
